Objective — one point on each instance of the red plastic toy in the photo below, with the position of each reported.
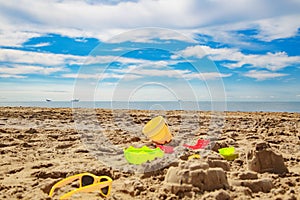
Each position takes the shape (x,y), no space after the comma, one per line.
(201,144)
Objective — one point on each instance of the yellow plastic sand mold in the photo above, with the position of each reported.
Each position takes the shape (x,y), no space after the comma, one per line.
(194,156)
(141,155)
(228,153)
(157,130)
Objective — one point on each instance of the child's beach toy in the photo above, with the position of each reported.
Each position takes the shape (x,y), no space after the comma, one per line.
(87,183)
(166,149)
(228,153)
(194,156)
(157,130)
(201,144)
(141,155)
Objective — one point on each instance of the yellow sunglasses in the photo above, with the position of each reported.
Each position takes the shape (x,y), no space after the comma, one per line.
(87,183)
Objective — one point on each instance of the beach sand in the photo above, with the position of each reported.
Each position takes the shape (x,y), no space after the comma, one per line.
(40,146)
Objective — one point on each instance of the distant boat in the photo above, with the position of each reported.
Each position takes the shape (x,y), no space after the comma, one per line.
(75,100)
(48,100)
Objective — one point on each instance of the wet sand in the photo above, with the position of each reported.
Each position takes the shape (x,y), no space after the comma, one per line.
(40,146)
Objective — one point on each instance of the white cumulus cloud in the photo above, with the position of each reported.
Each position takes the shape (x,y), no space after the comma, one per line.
(270,61)
(29,69)
(263,74)
(39,58)
(21,20)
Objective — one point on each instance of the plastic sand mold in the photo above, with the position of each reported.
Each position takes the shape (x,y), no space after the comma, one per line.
(157,130)
(166,149)
(228,153)
(201,144)
(141,155)
(194,156)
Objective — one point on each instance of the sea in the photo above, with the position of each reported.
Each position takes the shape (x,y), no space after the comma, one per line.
(166,105)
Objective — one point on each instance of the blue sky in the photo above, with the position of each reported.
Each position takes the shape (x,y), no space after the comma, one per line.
(235,50)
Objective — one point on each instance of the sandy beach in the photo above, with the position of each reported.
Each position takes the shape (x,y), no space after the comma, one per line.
(40,146)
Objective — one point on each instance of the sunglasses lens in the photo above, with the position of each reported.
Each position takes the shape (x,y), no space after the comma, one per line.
(103,179)
(87,180)
(104,190)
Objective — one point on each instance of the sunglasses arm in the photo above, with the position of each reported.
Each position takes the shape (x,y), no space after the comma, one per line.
(89,188)
(63,182)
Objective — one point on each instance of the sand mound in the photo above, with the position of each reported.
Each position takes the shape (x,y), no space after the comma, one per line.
(264,159)
(195,174)
(217,195)
(219,163)
(260,185)
(248,175)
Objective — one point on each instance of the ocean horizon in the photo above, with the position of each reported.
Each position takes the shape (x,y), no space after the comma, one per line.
(243,106)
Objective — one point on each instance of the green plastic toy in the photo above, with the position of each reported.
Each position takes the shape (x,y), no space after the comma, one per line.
(228,153)
(141,155)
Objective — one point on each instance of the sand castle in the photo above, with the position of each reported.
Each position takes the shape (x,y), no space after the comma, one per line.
(210,174)
(195,174)
(265,159)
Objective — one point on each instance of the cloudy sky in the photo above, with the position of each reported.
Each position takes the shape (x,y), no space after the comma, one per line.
(235,50)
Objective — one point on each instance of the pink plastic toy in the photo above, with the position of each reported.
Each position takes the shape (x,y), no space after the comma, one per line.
(166,149)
